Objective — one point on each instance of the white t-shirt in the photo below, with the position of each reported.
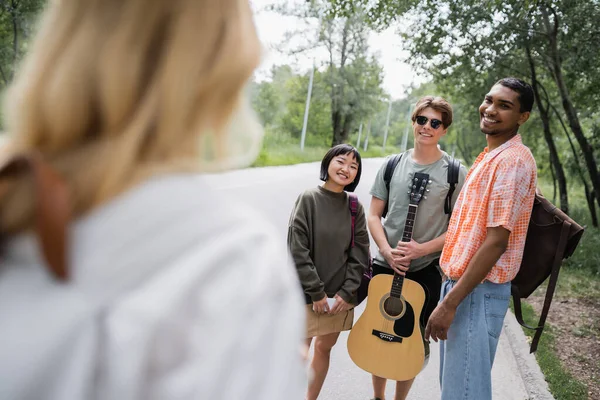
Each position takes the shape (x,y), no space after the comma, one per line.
(175,293)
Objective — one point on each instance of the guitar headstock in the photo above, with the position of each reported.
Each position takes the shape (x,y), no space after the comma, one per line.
(418,187)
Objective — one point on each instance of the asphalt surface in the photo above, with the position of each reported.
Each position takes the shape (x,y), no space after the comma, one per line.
(272,192)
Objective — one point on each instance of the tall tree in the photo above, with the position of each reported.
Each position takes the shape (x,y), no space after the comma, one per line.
(353,76)
(468,42)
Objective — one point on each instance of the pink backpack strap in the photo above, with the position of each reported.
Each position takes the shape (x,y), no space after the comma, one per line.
(353,204)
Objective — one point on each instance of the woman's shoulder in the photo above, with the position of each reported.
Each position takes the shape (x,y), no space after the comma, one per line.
(173,215)
(309,196)
(310,193)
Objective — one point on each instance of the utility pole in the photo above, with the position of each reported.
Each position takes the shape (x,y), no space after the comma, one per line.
(361,122)
(307,107)
(359,134)
(405,137)
(387,124)
(367,138)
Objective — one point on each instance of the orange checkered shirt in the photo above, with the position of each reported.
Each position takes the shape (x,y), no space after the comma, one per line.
(499,191)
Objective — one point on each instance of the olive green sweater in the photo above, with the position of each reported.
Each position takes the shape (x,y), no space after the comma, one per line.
(319,236)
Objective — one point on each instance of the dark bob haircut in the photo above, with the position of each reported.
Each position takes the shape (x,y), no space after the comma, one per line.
(524,89)
(336,151)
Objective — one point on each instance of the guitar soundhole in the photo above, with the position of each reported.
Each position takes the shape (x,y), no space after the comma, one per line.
(393,307)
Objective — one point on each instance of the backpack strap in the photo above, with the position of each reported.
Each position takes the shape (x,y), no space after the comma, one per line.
(558,257)
(52,209)
(392,162)
(353,204)
(453,171)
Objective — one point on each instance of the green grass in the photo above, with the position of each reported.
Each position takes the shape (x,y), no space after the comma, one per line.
(563,385)
(577,282)
(273,154)
(579,278)
(288,155)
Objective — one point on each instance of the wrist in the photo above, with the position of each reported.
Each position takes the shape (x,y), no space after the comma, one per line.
(342,294)
(451,301)
(386,252)
(318,297)
(426,249)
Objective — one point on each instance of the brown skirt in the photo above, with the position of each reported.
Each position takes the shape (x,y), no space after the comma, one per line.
(324,324)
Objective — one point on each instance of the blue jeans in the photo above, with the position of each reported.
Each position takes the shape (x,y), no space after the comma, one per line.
(467,356)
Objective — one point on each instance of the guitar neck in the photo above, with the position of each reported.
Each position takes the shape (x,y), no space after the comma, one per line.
(396,290)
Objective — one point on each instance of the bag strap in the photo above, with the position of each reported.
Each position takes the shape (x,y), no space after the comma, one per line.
(558,257)
(392,162)
(453,170)
(52,210)
(353,204)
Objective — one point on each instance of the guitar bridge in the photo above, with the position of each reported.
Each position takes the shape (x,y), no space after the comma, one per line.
(386,336)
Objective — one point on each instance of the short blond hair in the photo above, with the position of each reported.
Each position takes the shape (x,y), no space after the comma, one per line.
(116,90)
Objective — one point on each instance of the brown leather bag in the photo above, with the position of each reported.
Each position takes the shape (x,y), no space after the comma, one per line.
(52,211)
(551,237)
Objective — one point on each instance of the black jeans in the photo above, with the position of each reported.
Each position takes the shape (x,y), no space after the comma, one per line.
(429,278)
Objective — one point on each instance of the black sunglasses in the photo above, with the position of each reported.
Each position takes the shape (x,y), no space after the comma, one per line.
(422,120)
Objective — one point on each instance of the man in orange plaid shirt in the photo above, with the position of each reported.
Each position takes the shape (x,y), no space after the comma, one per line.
(484,245)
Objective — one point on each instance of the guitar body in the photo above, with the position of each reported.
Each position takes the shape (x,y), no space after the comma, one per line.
(387,339)
(390,344)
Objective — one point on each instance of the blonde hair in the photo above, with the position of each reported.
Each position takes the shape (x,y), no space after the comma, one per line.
(114,91)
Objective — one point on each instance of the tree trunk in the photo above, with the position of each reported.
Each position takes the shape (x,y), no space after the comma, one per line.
(348,119)
(556,69)
(591,205)
(590,196)
(466,155)
(336,122)
(545,117)
(337,92)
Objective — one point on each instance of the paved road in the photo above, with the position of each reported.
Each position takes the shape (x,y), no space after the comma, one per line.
(272,191)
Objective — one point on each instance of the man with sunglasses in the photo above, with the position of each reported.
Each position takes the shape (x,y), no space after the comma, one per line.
(484,245)
(418,259)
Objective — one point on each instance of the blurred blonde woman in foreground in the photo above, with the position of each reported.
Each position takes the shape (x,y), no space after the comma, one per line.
(168,289)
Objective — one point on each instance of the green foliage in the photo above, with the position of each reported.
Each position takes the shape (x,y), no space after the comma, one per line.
(17,23)
(281,101)
(288,155)
(379,13)
(467,45)
(347,85)
(585,262)
(563,385)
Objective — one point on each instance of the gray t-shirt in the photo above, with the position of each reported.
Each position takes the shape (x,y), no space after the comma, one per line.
(431,221)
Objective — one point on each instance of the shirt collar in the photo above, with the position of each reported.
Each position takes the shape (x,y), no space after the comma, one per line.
(516,140)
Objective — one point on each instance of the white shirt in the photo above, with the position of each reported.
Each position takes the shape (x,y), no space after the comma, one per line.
(176,293)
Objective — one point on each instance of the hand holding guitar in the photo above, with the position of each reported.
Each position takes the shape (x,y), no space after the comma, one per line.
(411,251)
(394,259)
(439,322)
(340,305)
(321,306)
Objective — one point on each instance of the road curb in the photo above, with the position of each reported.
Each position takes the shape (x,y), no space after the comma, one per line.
(533,378)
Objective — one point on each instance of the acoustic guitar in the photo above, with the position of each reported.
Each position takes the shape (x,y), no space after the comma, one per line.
(387,340)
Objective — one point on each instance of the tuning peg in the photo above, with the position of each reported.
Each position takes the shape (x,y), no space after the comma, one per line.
(416,179)
(408,192)
(428,190)
(425,197)
(430,181)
